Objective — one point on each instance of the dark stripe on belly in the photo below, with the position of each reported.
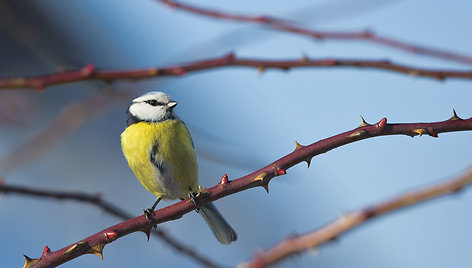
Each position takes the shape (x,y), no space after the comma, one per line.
(153,159)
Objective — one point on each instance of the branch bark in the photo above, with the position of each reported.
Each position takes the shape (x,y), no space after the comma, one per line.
(89,72)
(98,201)
(283,25)
(94,244)
(331,231)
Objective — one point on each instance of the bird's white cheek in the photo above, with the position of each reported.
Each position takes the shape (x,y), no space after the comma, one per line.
(146,112)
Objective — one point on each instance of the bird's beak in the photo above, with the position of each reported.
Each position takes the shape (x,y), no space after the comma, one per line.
(172,104)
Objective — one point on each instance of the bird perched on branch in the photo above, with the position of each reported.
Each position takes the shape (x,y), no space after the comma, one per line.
(160,151)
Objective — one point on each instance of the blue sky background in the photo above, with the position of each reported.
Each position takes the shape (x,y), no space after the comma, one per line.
(241,120)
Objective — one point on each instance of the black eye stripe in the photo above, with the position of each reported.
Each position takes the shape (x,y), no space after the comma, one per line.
(154,103)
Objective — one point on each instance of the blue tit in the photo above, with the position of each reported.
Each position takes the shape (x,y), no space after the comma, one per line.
(160,151)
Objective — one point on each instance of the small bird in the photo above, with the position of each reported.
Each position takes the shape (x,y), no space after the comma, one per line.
(160,151)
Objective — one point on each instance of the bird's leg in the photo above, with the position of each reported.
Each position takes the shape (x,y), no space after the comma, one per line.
(193,197)
(202,193)
(147,212)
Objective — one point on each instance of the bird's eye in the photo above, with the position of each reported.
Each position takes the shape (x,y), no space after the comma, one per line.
(153,102)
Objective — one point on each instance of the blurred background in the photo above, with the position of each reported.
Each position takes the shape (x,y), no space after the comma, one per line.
(68,137)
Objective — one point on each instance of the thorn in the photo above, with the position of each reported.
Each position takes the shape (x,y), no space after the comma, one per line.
(368,34)
(87,70)
(153,71)
(440,76)
(261,69)
(298,145)
(457,189)
(369,213)
(111,235)
(76,247)
(291,236)
(308,161)
(97,250)
(147,231)
(224,180)
(230,56)
(358,133)
(420,131)
(363,122)
(454,116)
(46,250)
(260,177)
(304,59)
(334,239)
(266,187)
(414,73)
(432,133)
(30,262)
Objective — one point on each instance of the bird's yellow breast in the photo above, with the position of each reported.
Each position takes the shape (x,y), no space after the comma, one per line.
(168,144)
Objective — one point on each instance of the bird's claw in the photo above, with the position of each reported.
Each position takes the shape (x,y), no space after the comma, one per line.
(193,197)
(147,213)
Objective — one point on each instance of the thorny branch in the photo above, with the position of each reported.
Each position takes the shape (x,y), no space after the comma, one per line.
(89,72)
(109,208)
(347,222)
(283,25)
(94,244)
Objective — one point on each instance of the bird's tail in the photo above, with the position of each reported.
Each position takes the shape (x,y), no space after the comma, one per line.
(222,230)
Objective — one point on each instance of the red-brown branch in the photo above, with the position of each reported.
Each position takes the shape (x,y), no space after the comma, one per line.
(331,231)
(260,177)
(90,73)
(109,208)
(284,25)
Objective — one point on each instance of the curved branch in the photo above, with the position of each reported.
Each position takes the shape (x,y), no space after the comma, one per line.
(90,73)
(283,25)
(331,231)
(261,177)
(109,208)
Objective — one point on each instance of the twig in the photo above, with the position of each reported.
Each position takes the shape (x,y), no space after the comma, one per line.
(331,231)
(90,73)
(94,244)
(109,208)
(284,25)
